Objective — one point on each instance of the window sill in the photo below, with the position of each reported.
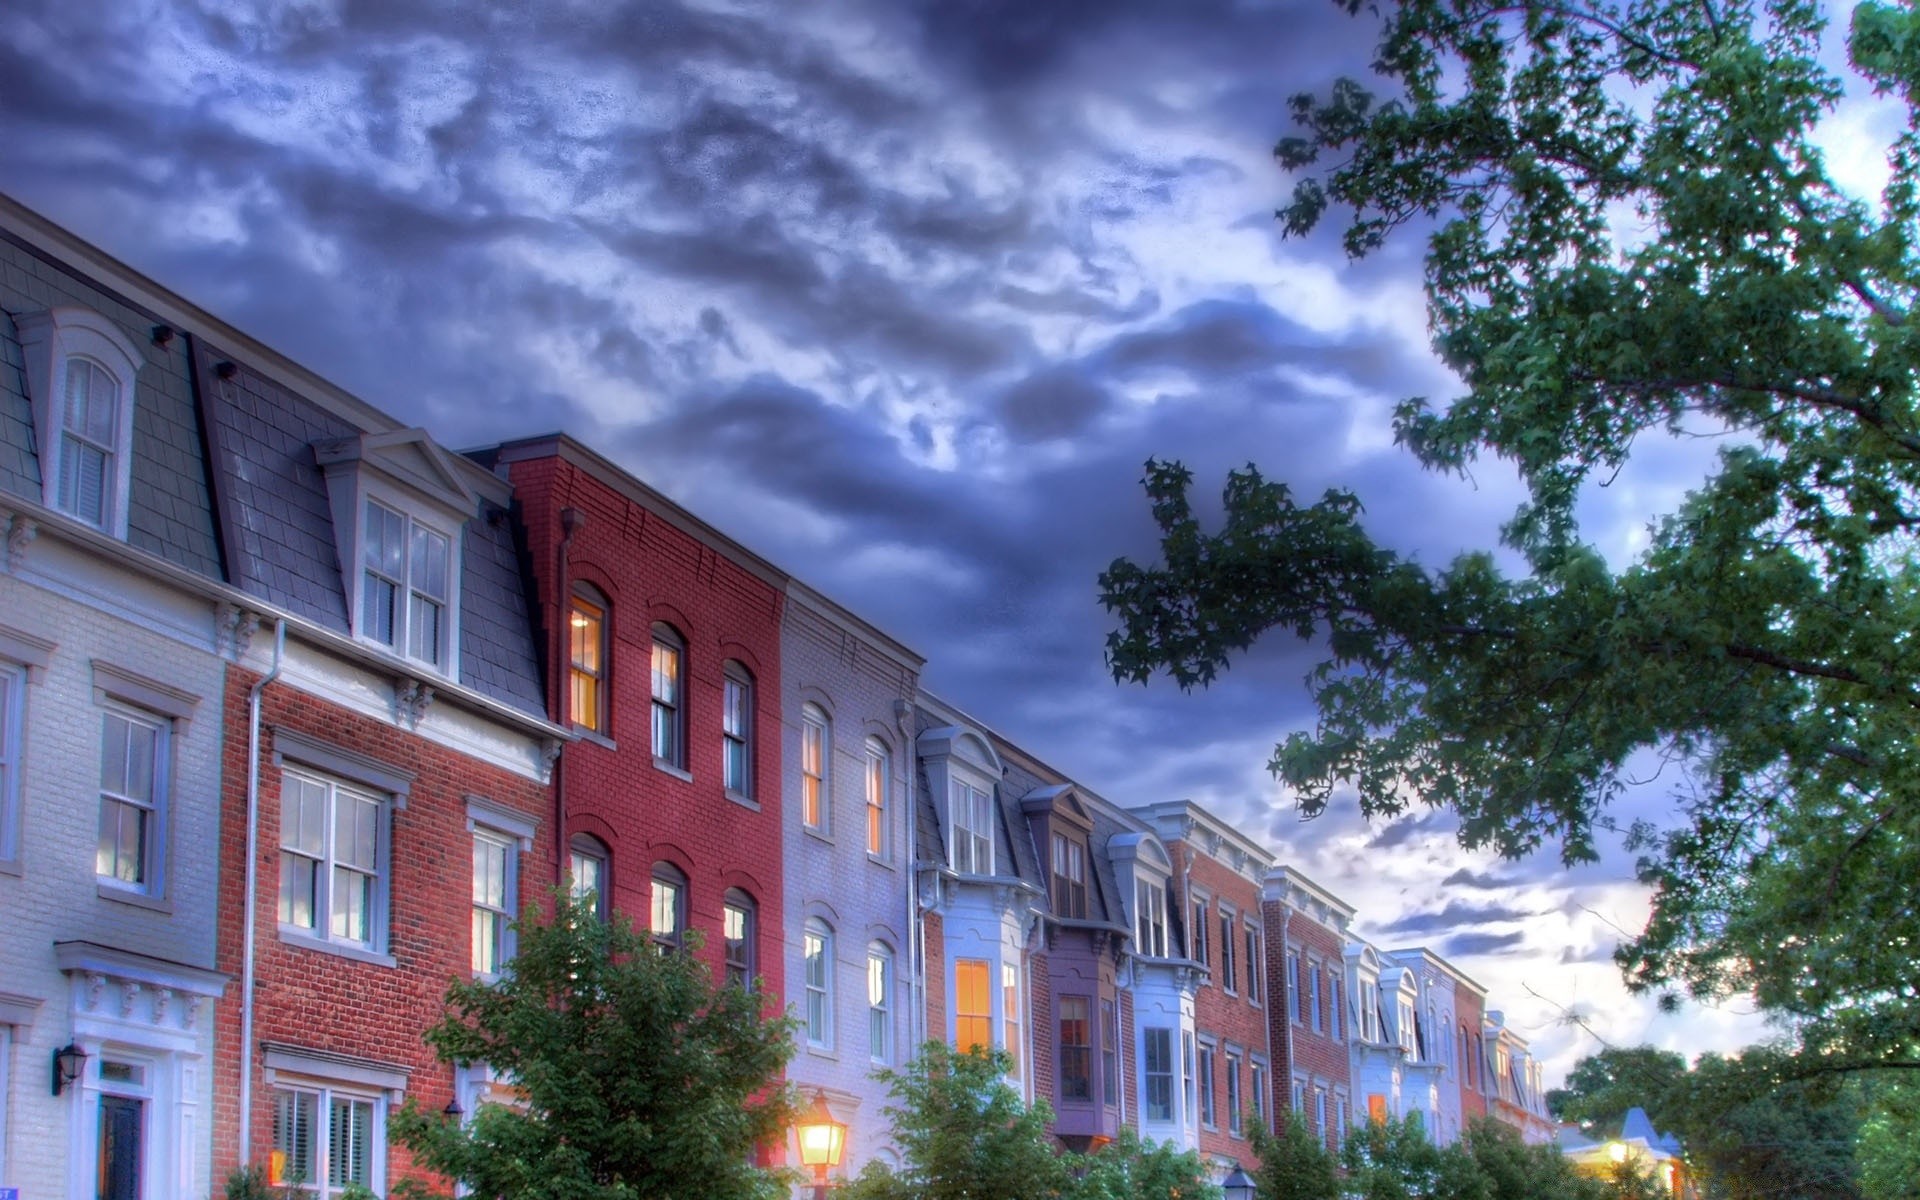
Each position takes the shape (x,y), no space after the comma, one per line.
(880,861)
(743,800)
(818,834)
(306,941)
(120,895)
(823,1052)
(673,769)
(11,866)
(599,739)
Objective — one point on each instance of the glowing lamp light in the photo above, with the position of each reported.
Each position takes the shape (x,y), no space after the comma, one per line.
(822,1141)
(1617,1151)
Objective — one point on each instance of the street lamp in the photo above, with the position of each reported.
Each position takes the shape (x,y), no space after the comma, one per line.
(1238,1185)
(822,1141)
(1617,1151)
(68,1062)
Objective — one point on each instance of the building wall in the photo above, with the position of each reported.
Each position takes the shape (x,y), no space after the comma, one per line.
(329,1003)
(641,555)
(1469,1006)
(859,680)
(1319,1061)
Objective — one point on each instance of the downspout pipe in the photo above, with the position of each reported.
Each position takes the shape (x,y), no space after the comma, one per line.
(250,905)
(1289,1001)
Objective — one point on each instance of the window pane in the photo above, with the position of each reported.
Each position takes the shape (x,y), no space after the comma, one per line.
(294,1116)
(376,609)
(299,898)
(351,899)
(737,930)
(424,620)
(664,920)
(429,563)
(350,1143)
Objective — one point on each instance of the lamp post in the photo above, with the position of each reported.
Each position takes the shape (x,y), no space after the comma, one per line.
(822,1141)
(1238,1185)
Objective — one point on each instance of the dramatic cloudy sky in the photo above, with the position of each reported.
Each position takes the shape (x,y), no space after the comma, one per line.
(900,294)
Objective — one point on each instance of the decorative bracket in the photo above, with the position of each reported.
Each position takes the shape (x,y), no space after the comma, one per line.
(411,700)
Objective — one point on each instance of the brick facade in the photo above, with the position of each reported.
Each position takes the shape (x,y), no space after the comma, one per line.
(1312,1065)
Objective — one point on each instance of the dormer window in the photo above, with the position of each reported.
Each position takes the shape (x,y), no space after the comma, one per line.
(404,601)
(1069,877)
(972,829)
(399,506)
(80,372)
(1150,918)
(962,768)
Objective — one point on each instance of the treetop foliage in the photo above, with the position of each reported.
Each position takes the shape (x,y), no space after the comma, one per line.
(1632,232)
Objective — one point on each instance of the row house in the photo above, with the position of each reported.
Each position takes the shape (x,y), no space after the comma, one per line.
(327,705)
(1216,884)
(267,656)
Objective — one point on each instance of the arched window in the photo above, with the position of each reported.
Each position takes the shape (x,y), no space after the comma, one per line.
(587,861)
(669,697)
(817,951)
(879,779)
(879,1002)
(816,757)
(736,729)
(739,927)
(587,674)
(81,370)
(667,917)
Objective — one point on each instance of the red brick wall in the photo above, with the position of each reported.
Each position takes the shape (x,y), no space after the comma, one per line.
(934,949)
(322,1001)
(1318,1055)
(1221,1015)
(652,571)
(1469,1008)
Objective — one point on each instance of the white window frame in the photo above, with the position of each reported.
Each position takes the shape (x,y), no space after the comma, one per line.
(441,660)
(584,847)
(879,783)
(1013,1027)
(153,882)
(50,341)
(880,1005)
(816,770)
(1229,957)
(667,715)
(736,737)
(1256,945)
(972,815)
(321,935)
(588,613)
(512,833)
(669,884)
(13,728)
(325,1093)
(1150,917)
(1148,1074)
(737,901)
(1236,1110)
(1209,1112)
(1317,1020)
(817,1019)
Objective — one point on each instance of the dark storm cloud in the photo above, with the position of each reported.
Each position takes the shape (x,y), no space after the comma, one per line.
(1409,828)
(1467,945)
(1455,914)
(1483,881)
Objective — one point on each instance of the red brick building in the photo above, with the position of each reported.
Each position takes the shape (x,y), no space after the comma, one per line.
(1217,874)
(1470,1014)
(661,640)
(1312,1015)
(385,763)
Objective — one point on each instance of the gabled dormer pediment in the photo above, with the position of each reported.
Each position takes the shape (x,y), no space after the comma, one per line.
(1137,851)
(1060,801)
(407,457)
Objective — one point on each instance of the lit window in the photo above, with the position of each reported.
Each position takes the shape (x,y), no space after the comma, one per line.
(737,930)
(1010,1008)
(133,798)
(669,680)
(331,884)
(1234,1125)
(667,915)
(817,951)
(324,1141)
(1076,1050)
(1069,877)
(816,752)
(587,872)
(1158,1073)
(494,863)
(973,839)
(879,774)
(587,674)
(1150,919)
(1204,1080)
(879,1003)
(973,1004)
(736,730)
(404,584)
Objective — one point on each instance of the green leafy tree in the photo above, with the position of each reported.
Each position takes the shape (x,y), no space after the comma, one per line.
(1506,1168)
(1130,1169)
(1888,1151)
(636,1075)
(1295,1164)
(1631,230)
(1604,1085)
(964,1133)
